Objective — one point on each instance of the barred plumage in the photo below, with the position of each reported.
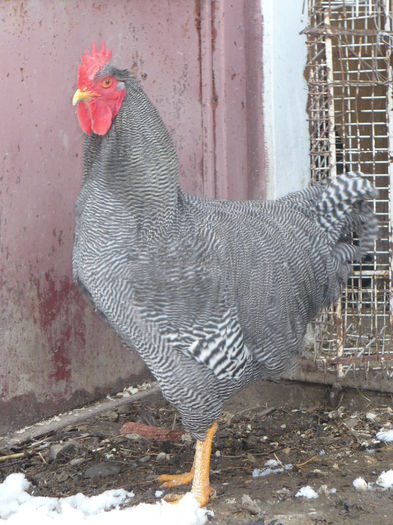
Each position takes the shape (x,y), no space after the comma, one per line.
(212,294)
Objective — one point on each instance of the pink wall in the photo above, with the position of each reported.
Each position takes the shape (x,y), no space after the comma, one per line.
(200,64)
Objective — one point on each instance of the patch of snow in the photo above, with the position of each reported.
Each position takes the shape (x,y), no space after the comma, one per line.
(360,484)
(272,466)
(385,480)
(306,492)
(18,506)
(272,463)
(158,493)
(385,435)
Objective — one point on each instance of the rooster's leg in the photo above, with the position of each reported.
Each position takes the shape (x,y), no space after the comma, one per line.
(199,473)
(201,483)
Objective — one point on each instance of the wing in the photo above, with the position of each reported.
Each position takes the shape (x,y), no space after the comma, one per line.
(182,292)
(218,344)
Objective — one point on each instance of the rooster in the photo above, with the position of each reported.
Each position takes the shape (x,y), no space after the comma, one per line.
(212,294)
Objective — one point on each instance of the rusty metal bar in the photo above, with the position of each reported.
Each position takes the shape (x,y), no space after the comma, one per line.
(328,30)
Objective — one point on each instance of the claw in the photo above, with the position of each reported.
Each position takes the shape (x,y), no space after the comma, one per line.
(173,498)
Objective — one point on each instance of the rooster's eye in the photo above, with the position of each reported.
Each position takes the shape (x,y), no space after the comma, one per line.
(106,83)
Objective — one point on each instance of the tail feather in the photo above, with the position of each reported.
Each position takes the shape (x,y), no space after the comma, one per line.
(342,210)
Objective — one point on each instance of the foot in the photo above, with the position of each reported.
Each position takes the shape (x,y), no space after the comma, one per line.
(199,474)
(176,480)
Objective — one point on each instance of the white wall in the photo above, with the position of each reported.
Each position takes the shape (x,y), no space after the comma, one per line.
(285,96)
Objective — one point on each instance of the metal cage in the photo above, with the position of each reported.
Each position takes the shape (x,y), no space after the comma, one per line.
(350,108)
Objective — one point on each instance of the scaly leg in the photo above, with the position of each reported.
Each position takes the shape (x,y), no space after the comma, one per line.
(201,484)
(199,473)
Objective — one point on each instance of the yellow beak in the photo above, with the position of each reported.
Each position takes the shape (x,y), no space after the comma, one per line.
(80,95)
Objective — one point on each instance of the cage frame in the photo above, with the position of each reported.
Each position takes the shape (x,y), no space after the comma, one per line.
(350,85)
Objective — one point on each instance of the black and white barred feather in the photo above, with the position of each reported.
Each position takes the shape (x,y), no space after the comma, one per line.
(212,294)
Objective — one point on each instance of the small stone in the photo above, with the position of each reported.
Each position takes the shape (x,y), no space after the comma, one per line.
(250,457)
(251,505)
(162,457)
(317,472)
(370,416)
(145,459)
(112,416)
(61,476)
(283,493)
(123,409)
(100,470)
(187,439)
(252,440)
(63,452)
(76,461)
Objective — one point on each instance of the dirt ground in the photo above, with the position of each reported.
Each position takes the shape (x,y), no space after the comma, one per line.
(327,437)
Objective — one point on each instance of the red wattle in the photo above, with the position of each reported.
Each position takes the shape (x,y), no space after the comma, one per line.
(84,118)
(102,117)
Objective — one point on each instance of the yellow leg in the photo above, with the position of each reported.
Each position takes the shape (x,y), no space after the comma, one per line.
(199,473)
(201,484)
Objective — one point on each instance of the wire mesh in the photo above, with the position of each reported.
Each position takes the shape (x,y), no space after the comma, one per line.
(349,77)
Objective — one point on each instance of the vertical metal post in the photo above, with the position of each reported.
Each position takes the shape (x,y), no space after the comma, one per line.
(333,171)
(330,85)
(389,111)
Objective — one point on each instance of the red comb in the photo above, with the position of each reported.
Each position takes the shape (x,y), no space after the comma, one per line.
(91,64)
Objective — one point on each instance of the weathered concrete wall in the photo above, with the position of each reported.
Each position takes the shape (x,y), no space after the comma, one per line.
(55,352)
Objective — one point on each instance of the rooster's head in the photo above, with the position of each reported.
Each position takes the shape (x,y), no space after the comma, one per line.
(100,93)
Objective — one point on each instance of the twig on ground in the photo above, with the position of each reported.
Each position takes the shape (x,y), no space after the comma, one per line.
(300,465)
(278,459)
(17,455)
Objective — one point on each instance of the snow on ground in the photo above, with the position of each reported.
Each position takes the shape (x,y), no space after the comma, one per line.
(385,480)
(360,484)
(272,466)
(385,435)
(17,506)
(306,492)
